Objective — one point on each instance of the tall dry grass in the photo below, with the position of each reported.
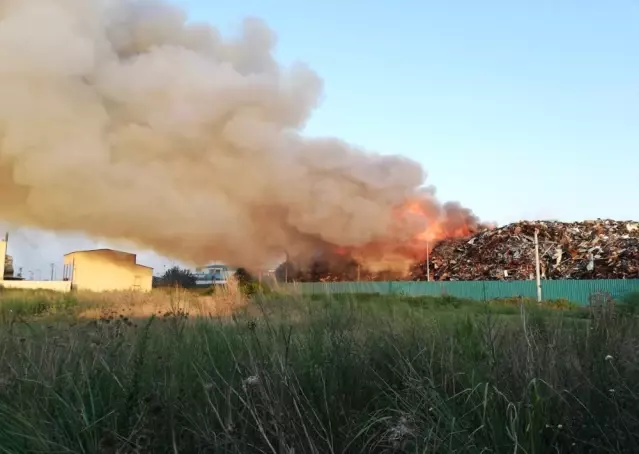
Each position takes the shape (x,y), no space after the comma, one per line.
(93,305)
(223,302)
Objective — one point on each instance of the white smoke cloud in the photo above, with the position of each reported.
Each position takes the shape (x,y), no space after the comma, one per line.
(120,120)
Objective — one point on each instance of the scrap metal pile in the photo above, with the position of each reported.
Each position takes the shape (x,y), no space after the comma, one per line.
(600,249)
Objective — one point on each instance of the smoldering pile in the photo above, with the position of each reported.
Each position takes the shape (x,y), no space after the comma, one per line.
(332,267)
(600,249)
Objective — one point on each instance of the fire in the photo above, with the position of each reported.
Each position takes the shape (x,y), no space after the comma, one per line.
(418,227)
(415,229)
(438,226)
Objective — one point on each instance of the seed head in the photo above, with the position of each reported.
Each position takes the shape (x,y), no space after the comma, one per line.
(251,381)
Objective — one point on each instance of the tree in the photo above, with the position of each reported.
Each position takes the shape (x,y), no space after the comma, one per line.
(247,283)
(287,272)
(178,277)
(243,277)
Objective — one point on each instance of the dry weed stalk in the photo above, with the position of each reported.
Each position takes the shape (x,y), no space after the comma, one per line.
(223,302)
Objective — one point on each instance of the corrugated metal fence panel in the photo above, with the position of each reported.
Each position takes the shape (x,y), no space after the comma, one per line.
(357,287)
(479,290)
(580,291)
(470,290)
(319,288)
(577,291)
(509,289)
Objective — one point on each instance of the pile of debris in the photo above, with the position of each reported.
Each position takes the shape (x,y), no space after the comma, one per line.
(331,268)
(8,267)
(600,249)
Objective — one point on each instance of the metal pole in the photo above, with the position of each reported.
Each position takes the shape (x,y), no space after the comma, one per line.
(428,261)
(52,270)
(537,268)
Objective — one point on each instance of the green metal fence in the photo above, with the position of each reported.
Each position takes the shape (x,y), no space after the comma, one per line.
(577,291)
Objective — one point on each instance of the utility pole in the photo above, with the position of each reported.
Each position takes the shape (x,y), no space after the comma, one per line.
(537,268)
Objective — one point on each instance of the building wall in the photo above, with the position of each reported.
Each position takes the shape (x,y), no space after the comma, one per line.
(56,286)
(106,270)
(214,274)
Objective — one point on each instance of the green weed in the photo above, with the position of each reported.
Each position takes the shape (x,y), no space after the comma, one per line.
(343,374)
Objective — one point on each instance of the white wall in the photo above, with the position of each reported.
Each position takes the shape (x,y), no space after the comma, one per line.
(56,286)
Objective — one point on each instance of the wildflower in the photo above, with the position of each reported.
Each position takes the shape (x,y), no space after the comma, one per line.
(560,426)
(143,441)
(611,391)
(609,358)
(399,431)
(251,381)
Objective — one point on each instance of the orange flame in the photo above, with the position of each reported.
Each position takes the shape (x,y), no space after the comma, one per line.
(418,227)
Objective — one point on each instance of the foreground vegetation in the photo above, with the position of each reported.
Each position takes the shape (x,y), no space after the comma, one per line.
(175,372)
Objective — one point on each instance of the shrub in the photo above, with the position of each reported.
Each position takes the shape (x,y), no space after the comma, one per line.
(248,284)
(629,304)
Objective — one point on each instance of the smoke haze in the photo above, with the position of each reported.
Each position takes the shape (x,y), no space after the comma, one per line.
(120,120)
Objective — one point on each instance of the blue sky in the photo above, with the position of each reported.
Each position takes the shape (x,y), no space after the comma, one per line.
(517,109)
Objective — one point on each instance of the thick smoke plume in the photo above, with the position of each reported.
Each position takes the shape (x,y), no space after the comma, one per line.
(121,120)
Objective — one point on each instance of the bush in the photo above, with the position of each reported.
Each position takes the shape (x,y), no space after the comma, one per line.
(248,285)
(629,304)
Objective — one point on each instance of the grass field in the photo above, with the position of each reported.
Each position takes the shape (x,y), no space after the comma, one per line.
(175,372)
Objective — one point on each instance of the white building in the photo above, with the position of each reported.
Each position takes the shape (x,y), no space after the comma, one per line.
(214,274)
